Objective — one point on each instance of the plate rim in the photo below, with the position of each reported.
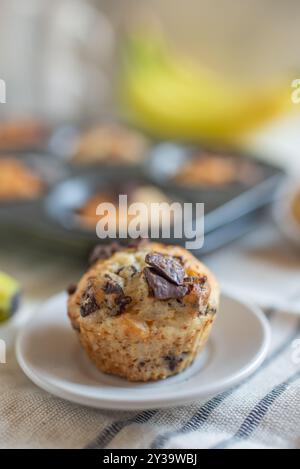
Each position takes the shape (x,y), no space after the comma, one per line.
(145,402)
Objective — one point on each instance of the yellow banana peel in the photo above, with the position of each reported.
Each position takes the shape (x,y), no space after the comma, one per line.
(176,98)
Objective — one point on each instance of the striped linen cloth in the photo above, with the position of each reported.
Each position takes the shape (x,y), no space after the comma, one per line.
(261,412)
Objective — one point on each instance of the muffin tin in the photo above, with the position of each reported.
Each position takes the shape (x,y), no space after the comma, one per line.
(230,210)
(64,201)
(66,140)
(223,203)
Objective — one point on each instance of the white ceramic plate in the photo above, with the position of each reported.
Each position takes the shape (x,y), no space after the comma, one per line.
(49,353)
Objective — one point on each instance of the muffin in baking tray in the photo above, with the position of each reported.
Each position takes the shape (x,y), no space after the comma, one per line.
(18,180)
(87,217)
(209,169)
(110,144)
(143,312)
(21,134)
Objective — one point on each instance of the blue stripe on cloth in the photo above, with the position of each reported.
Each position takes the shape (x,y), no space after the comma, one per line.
(254,418)
(205,411)
(109,433)
(194,423)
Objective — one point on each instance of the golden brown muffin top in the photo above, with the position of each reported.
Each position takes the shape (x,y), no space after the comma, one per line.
(150,282)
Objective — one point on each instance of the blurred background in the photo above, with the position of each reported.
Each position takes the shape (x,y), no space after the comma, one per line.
(64,60)
(166,100)
(199,70)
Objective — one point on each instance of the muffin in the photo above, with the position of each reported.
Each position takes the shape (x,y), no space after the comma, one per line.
(18,181)
(147,194)
(216,170)
(21,134)
(110,143)
(143,312)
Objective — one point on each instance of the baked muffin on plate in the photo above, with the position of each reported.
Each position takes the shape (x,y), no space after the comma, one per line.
(144,312)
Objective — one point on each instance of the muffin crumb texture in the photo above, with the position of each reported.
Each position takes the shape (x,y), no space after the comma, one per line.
(143,312)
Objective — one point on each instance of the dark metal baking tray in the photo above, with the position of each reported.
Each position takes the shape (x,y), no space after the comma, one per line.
(67,197)
(223,204)
(227,218)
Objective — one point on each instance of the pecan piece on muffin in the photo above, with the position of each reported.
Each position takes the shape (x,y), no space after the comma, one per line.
(144,312)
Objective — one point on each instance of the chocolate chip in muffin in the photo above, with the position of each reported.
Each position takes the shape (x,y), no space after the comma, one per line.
(166,266)
(210,310)
(122,301)
(179,259)
(134,271)
(112,287)
(88,304)
(161,288)
(72,288)
(199,283)
(102,252)
(174,361)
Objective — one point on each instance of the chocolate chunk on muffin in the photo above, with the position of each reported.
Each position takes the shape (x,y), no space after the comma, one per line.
(144,312)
